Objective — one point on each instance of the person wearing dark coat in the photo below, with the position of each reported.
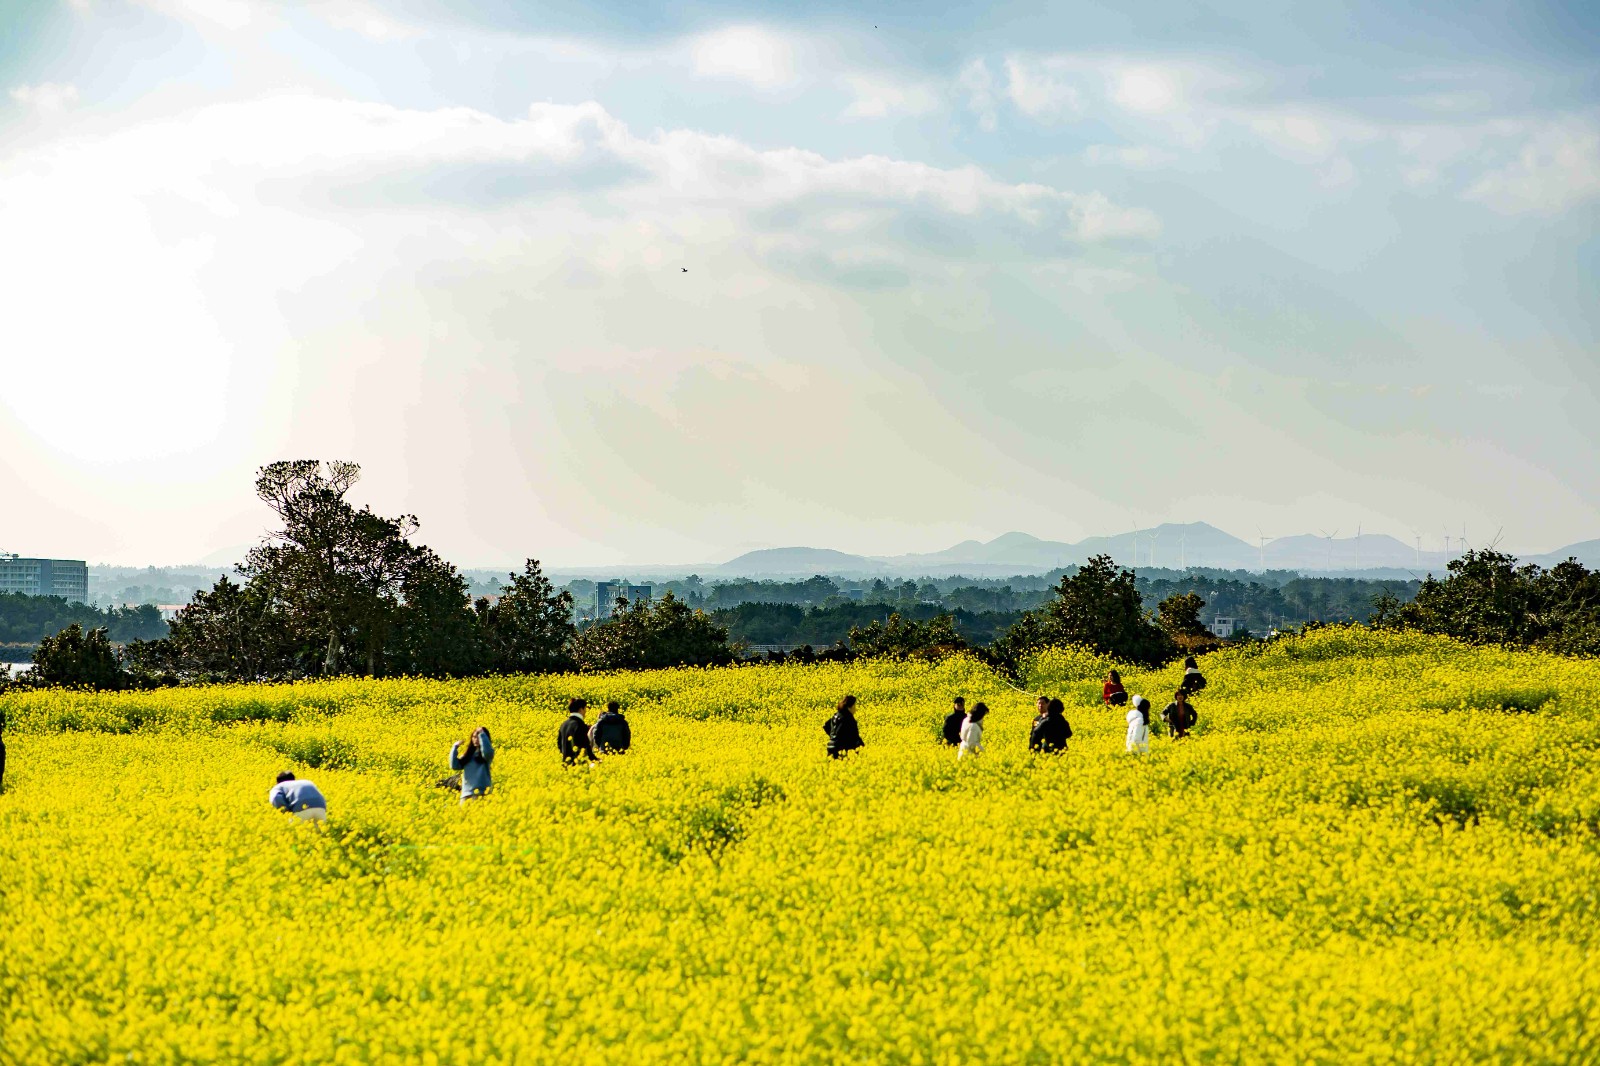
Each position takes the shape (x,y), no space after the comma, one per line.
(1050,730)
(953,720)
(844,735)
(610,732)
(572,739)
(1179,714)
(1193,679)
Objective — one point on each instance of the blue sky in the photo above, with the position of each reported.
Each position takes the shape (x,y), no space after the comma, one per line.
(950,272)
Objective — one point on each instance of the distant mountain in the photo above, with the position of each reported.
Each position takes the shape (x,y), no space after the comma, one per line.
(1586,552)
(804,562)
(1167,546)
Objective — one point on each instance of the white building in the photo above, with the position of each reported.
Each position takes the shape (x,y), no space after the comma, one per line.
(68,578)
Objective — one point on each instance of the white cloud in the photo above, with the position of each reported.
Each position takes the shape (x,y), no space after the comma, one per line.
(1555,168)
(878,97)
(363,18)
(1041,91)
(1137,156)
(747,53)
(231,15)
(978,85)
(47,98)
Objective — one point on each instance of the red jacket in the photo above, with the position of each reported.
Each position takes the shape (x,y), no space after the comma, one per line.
(1109,689)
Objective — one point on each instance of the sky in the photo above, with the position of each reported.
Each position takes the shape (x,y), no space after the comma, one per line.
(650,283)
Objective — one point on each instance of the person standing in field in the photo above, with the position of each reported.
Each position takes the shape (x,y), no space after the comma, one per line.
(954,720)
(1138,725)
(610,732)
(473,759)
(844,735)
(972,731)
(1050,731)
(572,739)
(1193,679)
(1112,694)
(1179,715)
(299,798)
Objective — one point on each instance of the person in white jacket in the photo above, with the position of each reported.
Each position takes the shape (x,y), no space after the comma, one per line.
(972,731)
(1138,725)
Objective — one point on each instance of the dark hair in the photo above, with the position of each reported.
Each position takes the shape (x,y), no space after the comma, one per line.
(1116,677)
(1056,706)
(1189,663)
(960,701)
(576,704)
(613,705)
(285,775)
(1180,695)
(847,704)
(978,711)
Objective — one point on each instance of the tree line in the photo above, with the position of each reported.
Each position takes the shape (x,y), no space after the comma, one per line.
(26,620)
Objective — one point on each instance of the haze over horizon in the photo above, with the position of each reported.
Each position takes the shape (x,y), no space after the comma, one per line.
(622,285)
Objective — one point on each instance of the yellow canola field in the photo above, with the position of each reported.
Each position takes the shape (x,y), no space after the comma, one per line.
(1377,848)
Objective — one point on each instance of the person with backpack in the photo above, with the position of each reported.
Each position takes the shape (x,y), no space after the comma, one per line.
(472,758)
(1193,679)
(1112,694)
(610,732)
(844,735)
(972,732)
(1180,715)
(1138,726)
(572,739)
(952,721)
(299,798)
(1050,731)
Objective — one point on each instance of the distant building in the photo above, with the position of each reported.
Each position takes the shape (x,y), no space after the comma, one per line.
(607,593)
(68,578)
(1223,627)
(855,594)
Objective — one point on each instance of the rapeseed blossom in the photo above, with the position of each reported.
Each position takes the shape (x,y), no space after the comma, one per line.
(1375,848)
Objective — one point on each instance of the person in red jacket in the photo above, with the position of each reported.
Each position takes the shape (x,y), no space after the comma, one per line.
(1112,693)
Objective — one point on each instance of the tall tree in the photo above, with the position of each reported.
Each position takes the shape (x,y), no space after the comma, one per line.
(529,629)
(645,636)
(1098,607)
(76,659)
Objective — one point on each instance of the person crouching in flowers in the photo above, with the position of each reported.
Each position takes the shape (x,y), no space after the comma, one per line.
(972,731)
(1112,694)
(299,798)
(1138,725)
(472,758)
(1050,730)
(844,735)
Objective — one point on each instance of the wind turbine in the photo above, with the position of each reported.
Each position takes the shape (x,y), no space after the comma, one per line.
(1261,550)
(1155,535)
(1447,542)
(1414,533)
(1329,537)
(1183,556)
(1358,547)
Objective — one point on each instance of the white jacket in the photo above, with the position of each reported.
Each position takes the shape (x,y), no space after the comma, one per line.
(1138,731)
(971,738)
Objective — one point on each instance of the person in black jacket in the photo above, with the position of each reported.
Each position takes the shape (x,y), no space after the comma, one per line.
(610,731)
(1050,730)
(572,739)
(953,720)
(844,735)
(1179,715)
(1193,679)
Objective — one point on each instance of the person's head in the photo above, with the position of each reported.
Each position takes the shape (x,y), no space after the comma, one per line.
(1056,707)
(577,705)
(1181,696)
(285,775)
(1115,678)
(1188,663)
(1141,705)
(978,711)
(959,702)
(613,706)
(848,704)
(1043,703)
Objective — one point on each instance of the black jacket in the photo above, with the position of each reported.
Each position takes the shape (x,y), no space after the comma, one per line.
(952,727)
(1170,716)
(611,732)
(843,733)
(572,739)
(1049,733)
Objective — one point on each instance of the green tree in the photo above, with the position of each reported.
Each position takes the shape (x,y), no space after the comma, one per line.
(644,636)
(1099,607)
(76,659)
(529,629)
(434,632)
(901,638)
(232,632)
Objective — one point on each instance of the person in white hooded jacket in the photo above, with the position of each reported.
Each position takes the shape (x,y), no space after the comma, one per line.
(1138,725)
(972,731)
